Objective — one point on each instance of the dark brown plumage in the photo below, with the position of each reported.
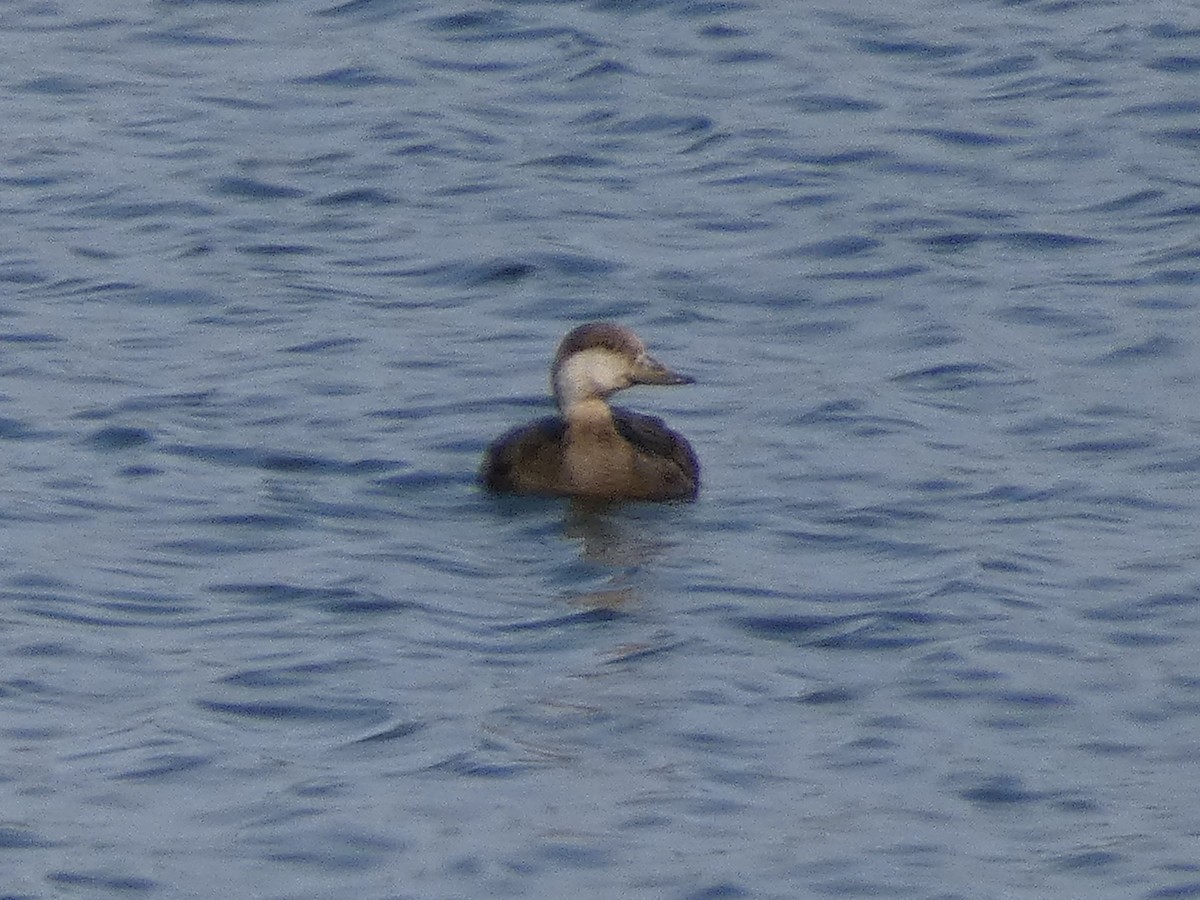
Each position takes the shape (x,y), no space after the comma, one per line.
(528,460)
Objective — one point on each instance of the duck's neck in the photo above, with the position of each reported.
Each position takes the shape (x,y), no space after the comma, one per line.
(591,415)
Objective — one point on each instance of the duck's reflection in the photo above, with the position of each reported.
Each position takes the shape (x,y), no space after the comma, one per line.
(607,539)
(614,600)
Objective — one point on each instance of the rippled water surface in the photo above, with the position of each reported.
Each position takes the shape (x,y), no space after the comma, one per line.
(273,275)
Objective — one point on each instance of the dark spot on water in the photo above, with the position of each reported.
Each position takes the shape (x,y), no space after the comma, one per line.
(1106,446)
(505,272)
(553,623)
(1173,600)
(92,881)
(844,158)
(15,430)
(601,69)
(1176,65)
(1141,639)
(17,837)
(194,297)
(356,197)
(815,104)
(732,226)
(839,248)
(395,733)
(471,20)
(576,856)
(1171,32)
(721,32)
(275,249)
(256,679)
(976,676)
(999,790)
(292,463)
(17,275)
(322,345)
(744,57)
(399,484)
(253,189)
(1131,200)
(294,712)
(871,743)
(267,522)
(569,161)
(48,649)
(1076,804)
(346,603)
(679,126)
(828,697)
(163,766)
(1044,240)
(1004,65)
(470,866)
(1034,699)
(1111,748)
(278,592)
(1036,648)
(946,377)
(789,628)
(1190,889)
(34,337)
(321,789)
(120,438)
(919,49)
(1149,350)
(1091,860)
(880,631)
(464,764)
(1013,493)
(56,85)
(468,188)
(1188,137)
(961,138)
(351,77)
(377,10)
(30,181)
(709,742)
(953,241)
(338,849)
(722,891)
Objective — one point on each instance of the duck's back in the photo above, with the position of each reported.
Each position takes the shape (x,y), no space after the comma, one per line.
(526,460)
(670,470)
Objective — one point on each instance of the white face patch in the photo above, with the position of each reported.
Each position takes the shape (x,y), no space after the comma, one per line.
(590,374)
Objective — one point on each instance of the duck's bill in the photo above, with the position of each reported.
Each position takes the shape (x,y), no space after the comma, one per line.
(651,371)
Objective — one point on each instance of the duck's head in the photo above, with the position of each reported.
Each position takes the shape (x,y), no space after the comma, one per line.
(601,358)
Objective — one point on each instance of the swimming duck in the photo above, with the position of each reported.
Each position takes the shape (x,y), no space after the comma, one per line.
(590,449)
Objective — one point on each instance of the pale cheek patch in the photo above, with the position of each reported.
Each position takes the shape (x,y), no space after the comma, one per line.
(590,373)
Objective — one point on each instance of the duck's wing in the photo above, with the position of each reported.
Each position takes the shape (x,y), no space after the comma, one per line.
(526,459)
(652,438)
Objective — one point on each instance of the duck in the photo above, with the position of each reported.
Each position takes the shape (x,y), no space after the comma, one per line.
(591,450)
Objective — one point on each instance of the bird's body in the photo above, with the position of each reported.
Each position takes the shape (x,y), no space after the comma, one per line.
(592,450)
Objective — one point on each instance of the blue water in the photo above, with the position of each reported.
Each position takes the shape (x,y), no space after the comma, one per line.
(273,275)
